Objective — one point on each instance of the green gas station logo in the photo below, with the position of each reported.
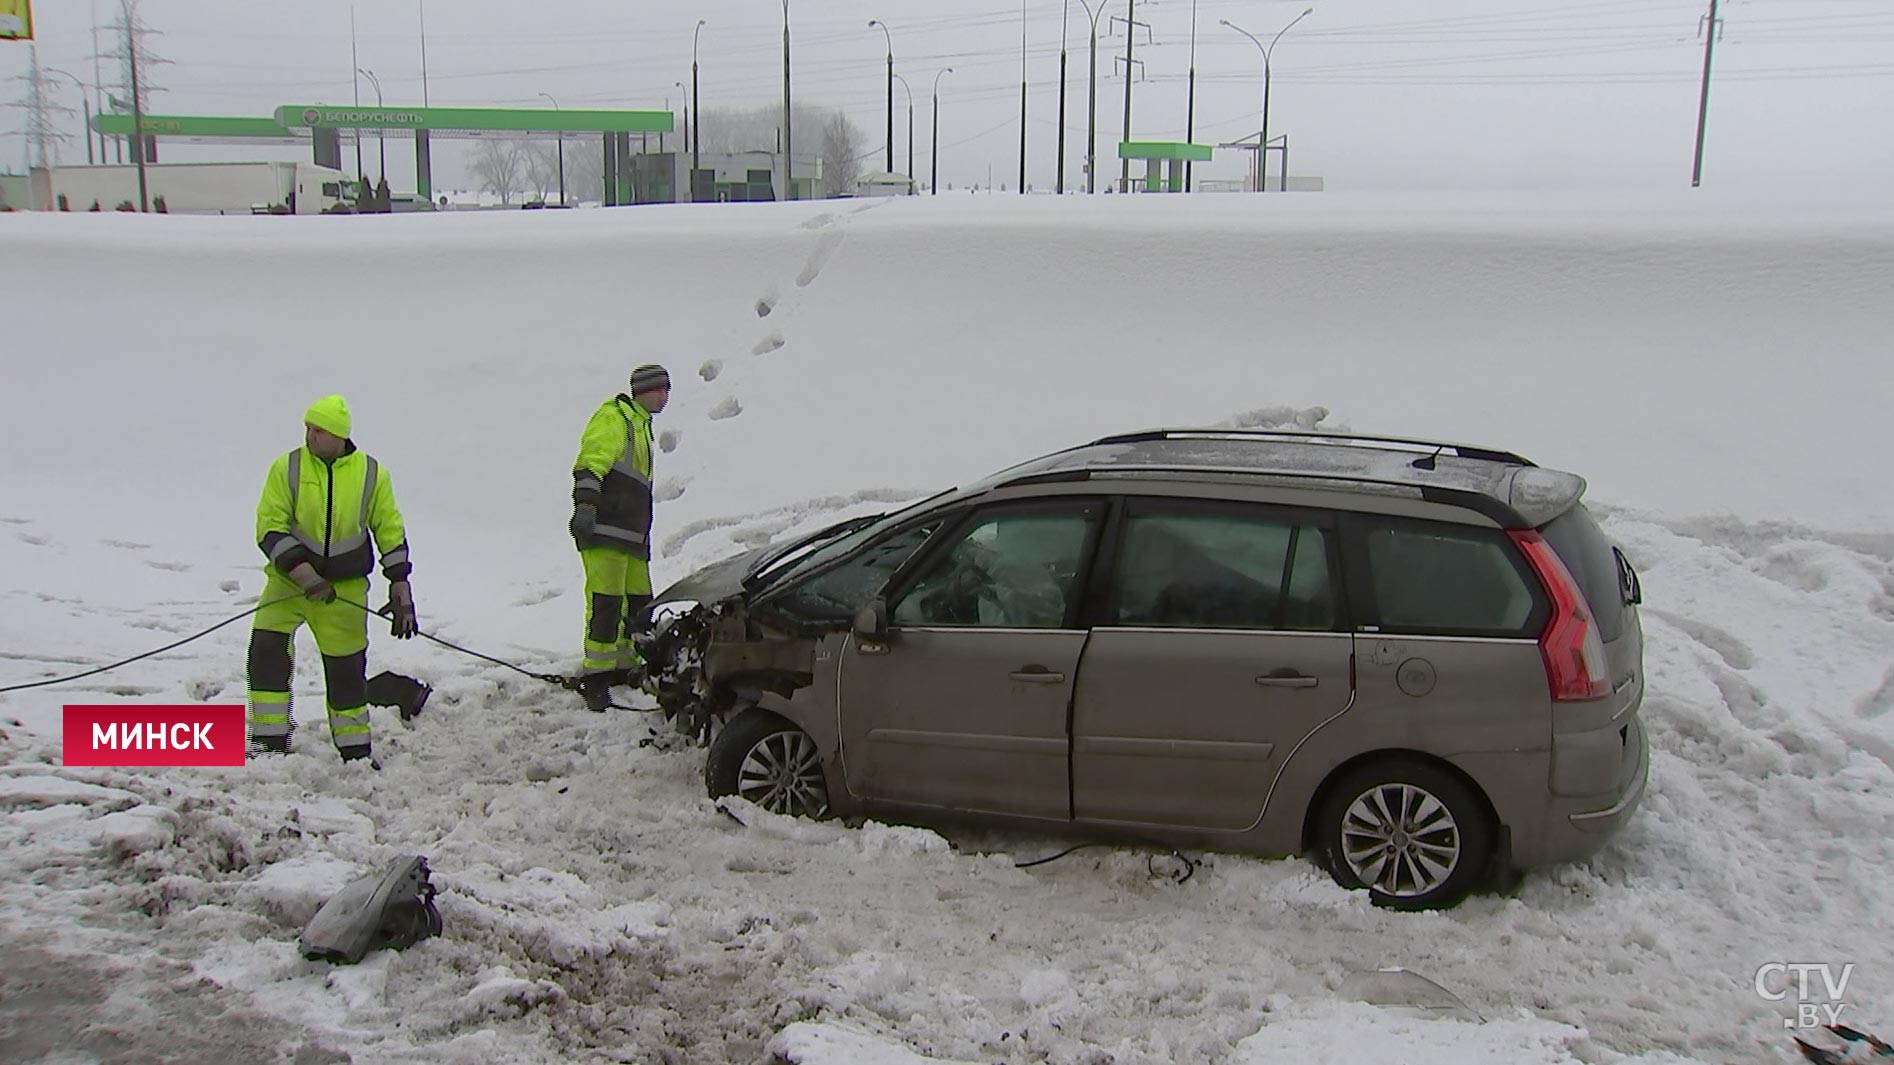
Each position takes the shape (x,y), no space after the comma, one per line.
(313,116)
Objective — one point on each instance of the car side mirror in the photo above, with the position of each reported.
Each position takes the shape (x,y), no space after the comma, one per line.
(871,622)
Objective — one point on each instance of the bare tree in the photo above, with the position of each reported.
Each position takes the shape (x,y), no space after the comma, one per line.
(585,169)
(500,164)
(542,169)
(842,154)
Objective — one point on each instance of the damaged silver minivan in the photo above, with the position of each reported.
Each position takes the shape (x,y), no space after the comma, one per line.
(1419,663)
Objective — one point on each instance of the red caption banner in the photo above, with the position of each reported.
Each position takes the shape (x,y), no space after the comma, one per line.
(154,735)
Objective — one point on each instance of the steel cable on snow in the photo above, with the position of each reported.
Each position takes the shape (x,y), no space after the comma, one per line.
(147,654)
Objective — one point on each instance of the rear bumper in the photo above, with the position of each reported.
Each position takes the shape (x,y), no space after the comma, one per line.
(1578,828)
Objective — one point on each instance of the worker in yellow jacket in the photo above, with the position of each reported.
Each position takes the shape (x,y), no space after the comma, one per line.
(611,524)
(321,504)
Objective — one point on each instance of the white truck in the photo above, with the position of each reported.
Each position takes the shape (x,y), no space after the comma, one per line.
(195,188)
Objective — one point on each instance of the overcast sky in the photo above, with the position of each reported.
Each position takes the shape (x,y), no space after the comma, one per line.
(1381,94)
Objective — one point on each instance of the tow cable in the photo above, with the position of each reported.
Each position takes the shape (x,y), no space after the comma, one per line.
(559,680)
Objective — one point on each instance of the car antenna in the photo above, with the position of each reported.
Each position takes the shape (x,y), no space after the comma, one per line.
(1429,462)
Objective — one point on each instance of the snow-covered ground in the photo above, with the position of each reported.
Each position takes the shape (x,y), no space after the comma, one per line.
(1718,370)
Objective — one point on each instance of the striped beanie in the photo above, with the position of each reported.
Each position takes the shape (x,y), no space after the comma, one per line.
(648,378)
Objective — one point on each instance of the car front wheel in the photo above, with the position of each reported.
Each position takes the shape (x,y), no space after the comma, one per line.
(772,763)
(1416,836)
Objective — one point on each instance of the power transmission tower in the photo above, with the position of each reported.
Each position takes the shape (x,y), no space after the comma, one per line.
(1711,27)
(43,130)
(120,96)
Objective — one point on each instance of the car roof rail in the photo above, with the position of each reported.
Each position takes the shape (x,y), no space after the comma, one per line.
(1465,451)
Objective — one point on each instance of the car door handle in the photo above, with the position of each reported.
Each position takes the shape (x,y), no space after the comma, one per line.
(1287,680)
(1038,675)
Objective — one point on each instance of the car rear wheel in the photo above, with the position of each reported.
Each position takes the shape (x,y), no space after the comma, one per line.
(772,763)
(1415,835)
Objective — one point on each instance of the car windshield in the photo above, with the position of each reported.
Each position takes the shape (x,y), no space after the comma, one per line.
(827,546)
(841,539)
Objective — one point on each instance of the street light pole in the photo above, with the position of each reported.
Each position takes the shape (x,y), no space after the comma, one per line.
(1022,97)
(685,93)
(1131,35)
(84,103)
(562,153)
(1190,108)
(379,136)
(884,32)
(1065,13)
(934,182)
(1262,147)
(1266,67)
(1091,103)
(696,104)
(905,88)
(361,172)
(789,156)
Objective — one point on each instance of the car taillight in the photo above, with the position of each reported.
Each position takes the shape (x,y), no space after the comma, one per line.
(1573,651)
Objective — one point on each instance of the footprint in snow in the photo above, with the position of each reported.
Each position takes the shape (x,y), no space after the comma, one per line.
(126,545)
(668,490)
(537,596)
(17,521)
(765,305)
(729,408)
(1881,700)
(229,586)
(821,221)
(172,567)
(669,439)
(824,251)
(711,369)
(204,689)
(772,342)
(36,541)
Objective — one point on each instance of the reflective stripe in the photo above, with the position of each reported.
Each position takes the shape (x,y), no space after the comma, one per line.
(269,698)
(627,466)
(335,547)
(368,491)
(261,719)
(627,463)
(283,547)
(397,557)
(613,531)
(585,479)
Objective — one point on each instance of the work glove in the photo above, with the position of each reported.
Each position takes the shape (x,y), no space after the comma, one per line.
(584,520)
(400,611)
(313,584)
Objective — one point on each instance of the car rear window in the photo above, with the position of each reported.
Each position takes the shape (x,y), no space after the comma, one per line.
(1449,580)
(1586,551)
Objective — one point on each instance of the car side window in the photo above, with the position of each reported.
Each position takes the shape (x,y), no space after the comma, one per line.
(1448,579)
(838,593)
(1009,570)
(1221,568)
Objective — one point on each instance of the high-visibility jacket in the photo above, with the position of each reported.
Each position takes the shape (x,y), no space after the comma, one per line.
(613,473)
(323,513)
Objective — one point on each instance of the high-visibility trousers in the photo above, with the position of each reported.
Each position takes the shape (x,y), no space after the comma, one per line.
(341,632)
(617,589)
